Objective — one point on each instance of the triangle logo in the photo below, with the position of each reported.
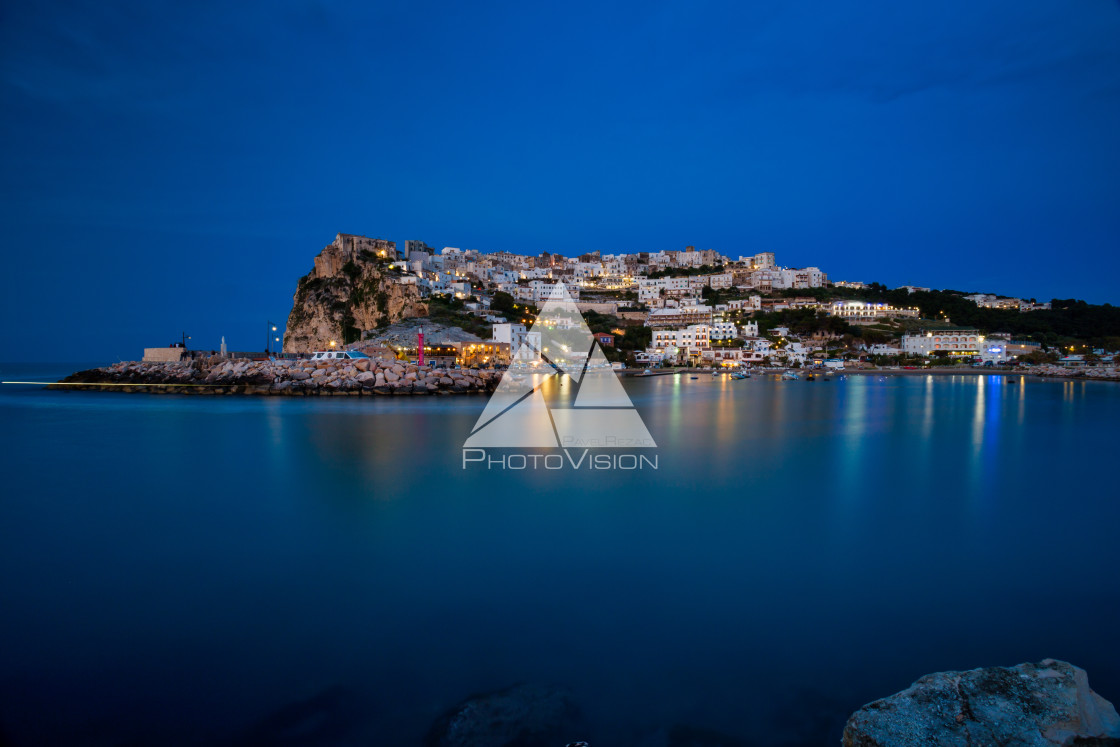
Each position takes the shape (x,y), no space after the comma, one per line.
(559,352)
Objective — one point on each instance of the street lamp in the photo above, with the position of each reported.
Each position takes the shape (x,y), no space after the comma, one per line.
(270,327)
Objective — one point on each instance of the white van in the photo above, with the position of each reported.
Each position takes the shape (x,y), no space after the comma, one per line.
(323,355)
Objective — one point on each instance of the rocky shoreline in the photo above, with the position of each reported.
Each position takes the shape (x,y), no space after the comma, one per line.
(297,378)
(1101,373)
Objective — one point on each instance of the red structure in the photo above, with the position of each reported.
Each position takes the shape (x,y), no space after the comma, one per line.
(420,346)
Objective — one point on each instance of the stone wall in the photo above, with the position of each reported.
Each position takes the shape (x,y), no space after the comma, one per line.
(162,355)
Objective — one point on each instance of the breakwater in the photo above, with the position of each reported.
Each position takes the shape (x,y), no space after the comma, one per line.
(283,377)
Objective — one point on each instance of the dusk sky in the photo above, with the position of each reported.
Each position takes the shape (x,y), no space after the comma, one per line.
(176,167)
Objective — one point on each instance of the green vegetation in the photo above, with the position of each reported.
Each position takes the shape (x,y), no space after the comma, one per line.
(679,271)
(804,322)
(1069,320)
(634,338)
(503,303)
(448,310)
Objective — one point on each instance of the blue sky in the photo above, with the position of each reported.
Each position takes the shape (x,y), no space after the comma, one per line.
(176,168)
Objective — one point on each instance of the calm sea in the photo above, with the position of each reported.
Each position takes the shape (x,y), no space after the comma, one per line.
(174,569)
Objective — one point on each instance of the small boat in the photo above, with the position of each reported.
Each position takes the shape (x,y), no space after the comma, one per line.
(694,377)
(740,375)
(647,372)
(715,373)
(790,376)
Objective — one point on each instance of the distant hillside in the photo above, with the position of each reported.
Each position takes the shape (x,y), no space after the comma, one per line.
(1068,319)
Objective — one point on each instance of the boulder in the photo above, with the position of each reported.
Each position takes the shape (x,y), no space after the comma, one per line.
(446,380)
(523,715)
(1048,704)
(364,376)
(362,364)
(299,375)
(391,375)
(328,717)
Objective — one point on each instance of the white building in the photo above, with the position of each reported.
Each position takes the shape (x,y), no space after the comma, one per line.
(882,349)
(989,301)
(751,303)
(679,317)
(523,344)
(955,342)
(808,277)
(668,344)
(864,311)
(724,331)
(692,337)
(761,261)
(542,290)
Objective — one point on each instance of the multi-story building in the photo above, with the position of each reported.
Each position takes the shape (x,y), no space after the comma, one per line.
(411,246)
(751,303)
(542,290)
(1016,348)
(761,261)
(865,311)
(808,277)
(955,342)
(729,357)
(524,345)
(724,331)
(988,301)
(1032,306)
(669,344)
(693,336)
(679,317)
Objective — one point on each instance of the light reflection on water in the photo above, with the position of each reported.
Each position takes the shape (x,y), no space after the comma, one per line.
(204,561)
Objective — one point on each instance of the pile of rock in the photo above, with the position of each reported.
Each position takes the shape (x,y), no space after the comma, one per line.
(1107,373)
(287,377)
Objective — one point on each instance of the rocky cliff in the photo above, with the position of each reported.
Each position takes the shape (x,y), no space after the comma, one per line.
(350,290)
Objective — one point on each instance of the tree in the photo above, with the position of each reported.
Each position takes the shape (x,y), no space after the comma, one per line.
(502,302)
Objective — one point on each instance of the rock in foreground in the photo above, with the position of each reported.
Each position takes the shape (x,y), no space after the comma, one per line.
(519,716)
(1046,704)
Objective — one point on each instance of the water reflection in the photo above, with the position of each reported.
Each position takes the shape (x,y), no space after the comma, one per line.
(907,513)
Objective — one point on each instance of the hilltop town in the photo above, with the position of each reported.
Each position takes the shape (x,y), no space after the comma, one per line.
(681,308)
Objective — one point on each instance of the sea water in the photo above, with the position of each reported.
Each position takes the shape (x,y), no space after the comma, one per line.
(175,569)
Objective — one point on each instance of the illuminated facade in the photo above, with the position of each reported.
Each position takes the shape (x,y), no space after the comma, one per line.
(955,342)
